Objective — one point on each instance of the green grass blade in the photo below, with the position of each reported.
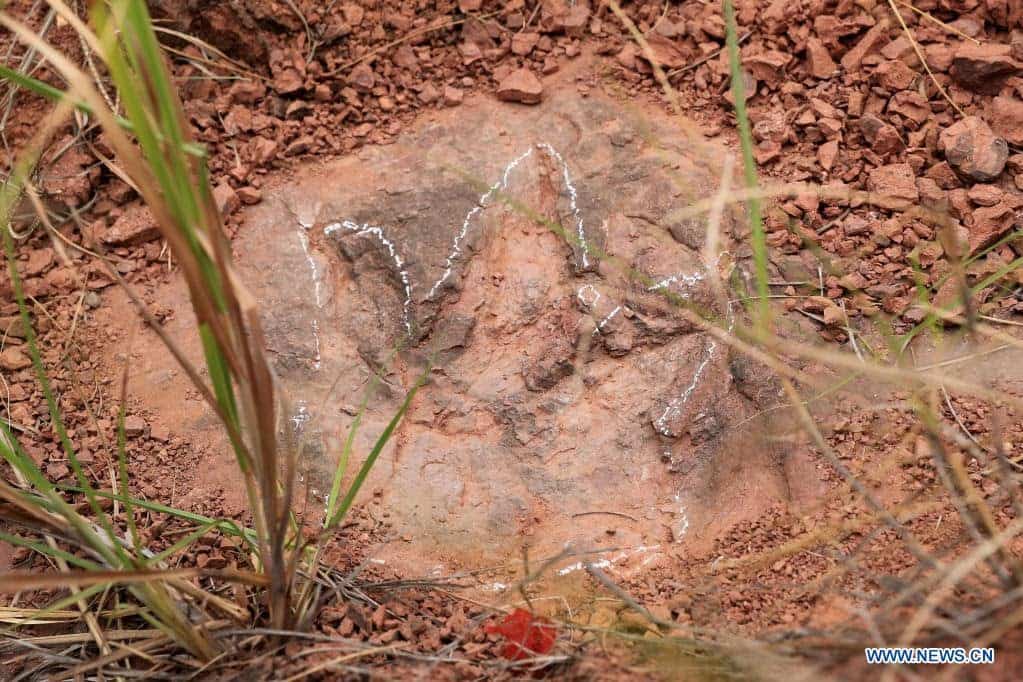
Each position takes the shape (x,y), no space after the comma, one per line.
(52,552)
(223,525)
(122,473)
(47,91)
(758,237)
(378,447)
(182,543)
(115,555)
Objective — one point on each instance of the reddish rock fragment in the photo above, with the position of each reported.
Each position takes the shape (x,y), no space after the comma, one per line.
(135,226)
(665,52)
(575,20)
(428,93)
(768,66)
(263,150)
(405,57)
(226,199)
(134,426)
(990,223)
(362,78)
(300,146)
(247,91)
(938,56)
(39,261)
(827,153)
(894,75)
(985,195)
(520,86)
(984,68)
(973,149)
(523,43)
(871,41)
(249,195)
(818,59)
(13,359)
(943,175)
(910,105)
(452,96)
(1006,119)
(895,183)
(471,52)
(883,137)
(930,194)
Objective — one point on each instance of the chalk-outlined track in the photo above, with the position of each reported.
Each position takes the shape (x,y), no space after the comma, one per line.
(392,250)
(682,280)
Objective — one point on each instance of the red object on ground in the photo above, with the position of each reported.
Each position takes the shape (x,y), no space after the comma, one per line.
(527,635)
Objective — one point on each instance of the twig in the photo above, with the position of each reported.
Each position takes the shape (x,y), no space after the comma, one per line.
(609,513)
(959,421)
(834,221)
(939,22)
(341,659)
(617,591)
(923,59)
(703,60)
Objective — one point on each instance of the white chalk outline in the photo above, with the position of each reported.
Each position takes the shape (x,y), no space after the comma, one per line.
(687,279)
(611,561)
(583,301)
(366,229)
(481,203)
(303,238)
(685,517)
(674,408)
(607,318)
(573,202)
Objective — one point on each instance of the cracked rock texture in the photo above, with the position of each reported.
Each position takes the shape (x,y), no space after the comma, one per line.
(532,262)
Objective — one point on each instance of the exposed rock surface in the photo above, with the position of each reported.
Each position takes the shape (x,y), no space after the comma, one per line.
(558,383)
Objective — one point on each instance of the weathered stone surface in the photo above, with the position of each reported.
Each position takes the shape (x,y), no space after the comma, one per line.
(554,377)
(552,363)
(973,149)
